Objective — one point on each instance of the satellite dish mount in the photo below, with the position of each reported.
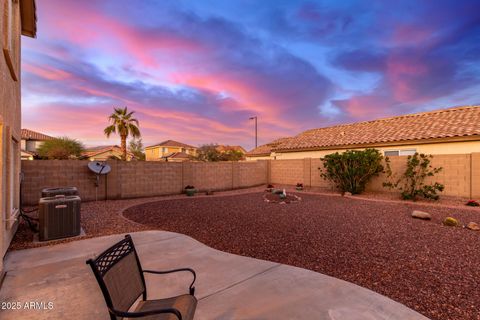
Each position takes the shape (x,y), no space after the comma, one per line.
(100,168)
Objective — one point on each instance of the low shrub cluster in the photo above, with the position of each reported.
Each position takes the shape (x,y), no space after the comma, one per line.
(411,183)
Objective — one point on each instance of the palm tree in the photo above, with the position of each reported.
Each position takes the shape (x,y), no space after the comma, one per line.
(121,122)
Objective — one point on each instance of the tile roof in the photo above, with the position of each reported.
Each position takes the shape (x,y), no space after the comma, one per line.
(171,143)
(93,151)
(30,153)
(28,134)
(266,149)
(225,148)
(177,155)
(445,123)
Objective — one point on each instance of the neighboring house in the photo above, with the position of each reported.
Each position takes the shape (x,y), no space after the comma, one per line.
(31,140)
(445,131)
(169,150)
(18,17)
(27,155)
(176,157)
(102,153)
(226,148)
(264,152)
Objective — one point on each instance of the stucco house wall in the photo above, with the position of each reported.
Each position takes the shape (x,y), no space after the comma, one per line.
(10,134)
(157,152)
(465,147)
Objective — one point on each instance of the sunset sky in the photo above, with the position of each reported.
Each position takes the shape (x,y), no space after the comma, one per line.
(195,71)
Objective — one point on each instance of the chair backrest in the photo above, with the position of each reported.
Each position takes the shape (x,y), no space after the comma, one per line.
(119,274)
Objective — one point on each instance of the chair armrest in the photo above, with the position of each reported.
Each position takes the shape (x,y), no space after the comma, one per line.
(140,314)
(191,288)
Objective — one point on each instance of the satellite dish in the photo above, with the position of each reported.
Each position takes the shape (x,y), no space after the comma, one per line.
(99,168)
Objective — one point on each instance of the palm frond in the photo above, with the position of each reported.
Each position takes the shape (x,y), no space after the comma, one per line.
(109,130)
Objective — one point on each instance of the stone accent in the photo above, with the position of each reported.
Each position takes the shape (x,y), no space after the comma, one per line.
(450,222)
(421,215)
(473,226)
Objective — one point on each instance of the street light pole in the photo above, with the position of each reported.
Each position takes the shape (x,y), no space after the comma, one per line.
(256,132)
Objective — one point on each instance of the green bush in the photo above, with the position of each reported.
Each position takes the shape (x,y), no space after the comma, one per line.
(60,148)
(351,170)
(412,182)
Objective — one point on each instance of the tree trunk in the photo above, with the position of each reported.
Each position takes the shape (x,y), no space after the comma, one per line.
(123,147)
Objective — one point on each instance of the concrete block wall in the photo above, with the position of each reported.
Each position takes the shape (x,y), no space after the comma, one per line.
(288,172)
(460,174)
(138,179)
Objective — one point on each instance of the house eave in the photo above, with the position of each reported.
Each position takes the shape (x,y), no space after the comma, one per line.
(28,14)
(384,144)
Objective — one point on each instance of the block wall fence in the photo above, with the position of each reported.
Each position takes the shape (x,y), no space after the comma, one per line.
(138,178)
(460,175)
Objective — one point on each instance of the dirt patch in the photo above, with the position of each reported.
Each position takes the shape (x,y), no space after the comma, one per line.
(428,267)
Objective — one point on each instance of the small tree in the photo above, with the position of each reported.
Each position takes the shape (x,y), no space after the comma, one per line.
(135,146)
(352,170)
(412,182)
(60,148)
(232,155)
(209,152)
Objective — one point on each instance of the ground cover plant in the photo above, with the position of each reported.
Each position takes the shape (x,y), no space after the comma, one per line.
(473,203)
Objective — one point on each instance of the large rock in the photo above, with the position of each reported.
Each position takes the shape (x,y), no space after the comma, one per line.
(473,226)
(421,215)
(450,222)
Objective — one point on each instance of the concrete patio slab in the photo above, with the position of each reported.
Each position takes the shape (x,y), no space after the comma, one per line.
(228,286)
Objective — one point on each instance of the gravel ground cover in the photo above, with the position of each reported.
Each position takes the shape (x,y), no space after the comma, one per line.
(362,239)
(376,244)
(102,218)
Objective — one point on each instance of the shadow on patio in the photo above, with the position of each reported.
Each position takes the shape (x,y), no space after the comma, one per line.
(228,286)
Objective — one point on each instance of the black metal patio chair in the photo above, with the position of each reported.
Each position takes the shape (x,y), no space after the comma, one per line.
(121,278)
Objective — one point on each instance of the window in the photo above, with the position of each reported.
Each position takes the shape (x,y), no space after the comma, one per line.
(14,177)
(404,152)
(391,153)
(164,149)
(183,149)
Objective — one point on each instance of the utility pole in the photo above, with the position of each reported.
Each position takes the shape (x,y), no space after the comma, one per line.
(256,132)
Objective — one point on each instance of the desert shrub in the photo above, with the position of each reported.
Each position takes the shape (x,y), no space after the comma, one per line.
(60,148)
(351,170)
(411,183)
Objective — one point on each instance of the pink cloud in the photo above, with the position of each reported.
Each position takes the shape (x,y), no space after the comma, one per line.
(249,97)
(96,28)
(46,72)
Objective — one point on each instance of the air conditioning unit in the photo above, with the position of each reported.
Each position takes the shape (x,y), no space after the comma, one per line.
(66,191)
(59,217)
